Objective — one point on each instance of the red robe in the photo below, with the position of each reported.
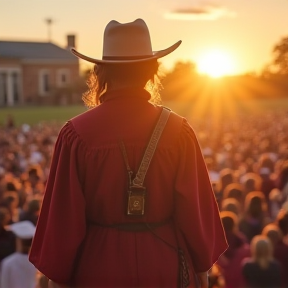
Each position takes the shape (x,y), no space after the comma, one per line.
(88,184)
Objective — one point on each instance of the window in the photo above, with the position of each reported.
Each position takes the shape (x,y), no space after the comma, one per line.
(63,77)
(10,85)
(15,86)
(44,82)
(3,88)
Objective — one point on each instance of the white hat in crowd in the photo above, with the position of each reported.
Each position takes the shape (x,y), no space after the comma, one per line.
(23,229)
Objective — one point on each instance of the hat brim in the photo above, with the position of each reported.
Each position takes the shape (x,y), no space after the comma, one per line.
(155,55)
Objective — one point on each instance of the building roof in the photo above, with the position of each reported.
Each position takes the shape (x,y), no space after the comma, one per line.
(34,51)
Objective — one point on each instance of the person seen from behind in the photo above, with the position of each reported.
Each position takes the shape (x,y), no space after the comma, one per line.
(273,232)
(99,226)
(16,270)
(255,216)
(261,270)
(7,238)
(230,261)
(281,247)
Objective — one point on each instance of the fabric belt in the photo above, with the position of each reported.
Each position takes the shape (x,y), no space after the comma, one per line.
(132,226)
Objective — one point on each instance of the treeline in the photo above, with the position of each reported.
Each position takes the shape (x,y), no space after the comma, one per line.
(183,82)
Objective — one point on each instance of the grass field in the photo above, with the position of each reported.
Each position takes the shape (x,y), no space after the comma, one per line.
(197,108)
(226,109)
(34,115)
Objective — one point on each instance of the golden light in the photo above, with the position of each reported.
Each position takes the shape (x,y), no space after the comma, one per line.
(216,63)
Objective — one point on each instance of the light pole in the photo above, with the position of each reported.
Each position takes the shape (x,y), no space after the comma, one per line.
(49,22)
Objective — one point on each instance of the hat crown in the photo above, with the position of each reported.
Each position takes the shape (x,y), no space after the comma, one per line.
(126,40)
(127,43)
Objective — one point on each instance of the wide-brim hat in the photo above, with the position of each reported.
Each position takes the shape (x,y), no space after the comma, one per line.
(127,43)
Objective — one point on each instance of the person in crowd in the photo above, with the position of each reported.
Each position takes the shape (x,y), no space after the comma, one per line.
(7,238)
(275,202)
(95,228)
(251,182)
(273,233)
(31,211)
(285,206)
(232,205)
(216,279)
(16,270)
(210,163)
(34,179)
(43,281)
(282,181)
(281,248)
(226,177)
(266,160)
(255,216)
(230,261)
(261,270)
(11,202)
(266,169)
(236,191)
(10,122)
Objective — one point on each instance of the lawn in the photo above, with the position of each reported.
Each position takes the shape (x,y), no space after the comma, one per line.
(227,108)
(34,115)
(187,108)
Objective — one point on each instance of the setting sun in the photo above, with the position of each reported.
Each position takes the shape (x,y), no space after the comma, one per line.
(216,63)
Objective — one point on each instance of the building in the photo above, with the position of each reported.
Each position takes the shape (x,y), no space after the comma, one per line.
(37,73)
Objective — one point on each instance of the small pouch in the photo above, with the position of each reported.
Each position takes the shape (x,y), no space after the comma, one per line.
(136,201)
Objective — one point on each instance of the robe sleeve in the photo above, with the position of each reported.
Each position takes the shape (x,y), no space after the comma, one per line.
(61,225)
(196,211)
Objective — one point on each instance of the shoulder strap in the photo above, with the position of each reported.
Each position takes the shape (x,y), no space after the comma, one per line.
(149,152)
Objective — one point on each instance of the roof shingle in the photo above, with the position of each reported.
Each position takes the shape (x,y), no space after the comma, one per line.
(34,50)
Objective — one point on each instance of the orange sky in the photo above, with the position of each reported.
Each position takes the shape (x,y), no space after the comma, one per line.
(243,29)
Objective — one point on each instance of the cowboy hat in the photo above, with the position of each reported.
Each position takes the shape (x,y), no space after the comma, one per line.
(127,43)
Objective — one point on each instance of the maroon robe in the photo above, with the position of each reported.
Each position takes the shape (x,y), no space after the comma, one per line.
(88,184)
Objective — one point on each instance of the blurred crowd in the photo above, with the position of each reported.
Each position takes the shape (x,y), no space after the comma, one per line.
(25,155)
(247,159)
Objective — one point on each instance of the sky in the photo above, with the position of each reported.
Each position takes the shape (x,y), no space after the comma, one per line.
(242,32)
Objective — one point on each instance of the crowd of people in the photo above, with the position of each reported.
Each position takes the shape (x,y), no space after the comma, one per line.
(25,155)
(247,160)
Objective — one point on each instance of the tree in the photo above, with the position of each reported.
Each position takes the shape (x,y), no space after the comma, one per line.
(179,81)
(281,56)
(184,69)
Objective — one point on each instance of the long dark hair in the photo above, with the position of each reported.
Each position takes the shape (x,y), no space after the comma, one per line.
(255,205)
(143,74)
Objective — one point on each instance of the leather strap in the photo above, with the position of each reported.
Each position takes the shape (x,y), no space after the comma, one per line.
(125,157)
(149,152)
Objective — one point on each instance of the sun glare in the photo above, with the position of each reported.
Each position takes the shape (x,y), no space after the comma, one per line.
(216,63)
